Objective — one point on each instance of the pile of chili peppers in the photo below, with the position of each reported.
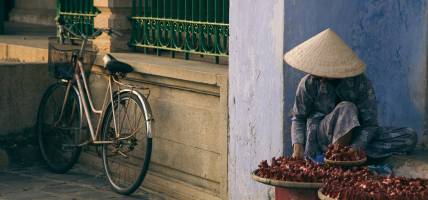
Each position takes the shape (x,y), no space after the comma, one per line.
(365,186)
(352,183)
(344,153)
(291,169)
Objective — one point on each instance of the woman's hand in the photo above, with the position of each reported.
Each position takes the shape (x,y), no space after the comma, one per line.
(298,151)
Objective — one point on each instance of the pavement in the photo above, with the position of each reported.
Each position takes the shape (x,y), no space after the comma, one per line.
(36,182)
(414,165)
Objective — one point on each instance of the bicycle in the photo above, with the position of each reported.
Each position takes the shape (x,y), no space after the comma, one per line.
(124,124)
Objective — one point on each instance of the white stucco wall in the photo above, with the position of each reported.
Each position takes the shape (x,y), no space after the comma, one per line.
(255,92)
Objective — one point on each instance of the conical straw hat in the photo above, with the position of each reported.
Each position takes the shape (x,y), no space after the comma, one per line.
(325,55)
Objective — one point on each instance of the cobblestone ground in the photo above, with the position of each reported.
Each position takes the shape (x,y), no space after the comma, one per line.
(38,183)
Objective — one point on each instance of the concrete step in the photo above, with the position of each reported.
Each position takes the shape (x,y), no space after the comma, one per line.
(25,42)
(24,49)
(18,28)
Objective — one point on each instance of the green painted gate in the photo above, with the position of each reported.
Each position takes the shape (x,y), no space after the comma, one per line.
(188,26)
(78,14)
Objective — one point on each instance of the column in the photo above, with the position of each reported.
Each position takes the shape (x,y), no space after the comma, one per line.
(256,85)
(114,14)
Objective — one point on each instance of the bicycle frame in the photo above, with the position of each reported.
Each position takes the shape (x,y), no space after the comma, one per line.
(115,125)
(85,97)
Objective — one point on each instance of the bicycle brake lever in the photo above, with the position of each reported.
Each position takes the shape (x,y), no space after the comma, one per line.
(114,32)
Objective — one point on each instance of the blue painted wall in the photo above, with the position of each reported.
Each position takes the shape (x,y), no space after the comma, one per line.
(388,35)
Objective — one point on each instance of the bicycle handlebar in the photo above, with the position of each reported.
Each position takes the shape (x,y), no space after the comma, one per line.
(82,36)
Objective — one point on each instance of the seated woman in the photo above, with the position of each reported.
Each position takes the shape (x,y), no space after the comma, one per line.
(336,103)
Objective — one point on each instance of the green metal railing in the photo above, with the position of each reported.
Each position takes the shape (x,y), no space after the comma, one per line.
(77,14)
(188,26)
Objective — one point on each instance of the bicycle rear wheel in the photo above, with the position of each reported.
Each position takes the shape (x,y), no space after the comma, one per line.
(127,159)
(58,137)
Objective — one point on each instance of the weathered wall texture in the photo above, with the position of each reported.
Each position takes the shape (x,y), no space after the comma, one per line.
(22,86)
(189,104)
(23,81)
(390,36)
(255,92)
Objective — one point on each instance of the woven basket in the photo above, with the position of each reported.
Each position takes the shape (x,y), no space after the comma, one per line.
(285,184)
(345,163)
(60,62)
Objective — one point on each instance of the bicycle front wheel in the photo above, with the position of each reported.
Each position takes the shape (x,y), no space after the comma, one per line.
(127,159)
(59,128)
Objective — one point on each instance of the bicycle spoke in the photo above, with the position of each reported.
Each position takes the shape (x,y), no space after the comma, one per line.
(139,118)
(127,117)
(56,102)
(126,108)
(135,111)
(57,137)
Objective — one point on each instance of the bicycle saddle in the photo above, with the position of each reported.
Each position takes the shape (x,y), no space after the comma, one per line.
(114,66)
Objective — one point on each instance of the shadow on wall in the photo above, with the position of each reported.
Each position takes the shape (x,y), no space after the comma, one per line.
(22,87)
(390,36)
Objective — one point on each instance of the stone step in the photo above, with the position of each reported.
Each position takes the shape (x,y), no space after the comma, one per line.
(19,28)
(24,49)
(25,42)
